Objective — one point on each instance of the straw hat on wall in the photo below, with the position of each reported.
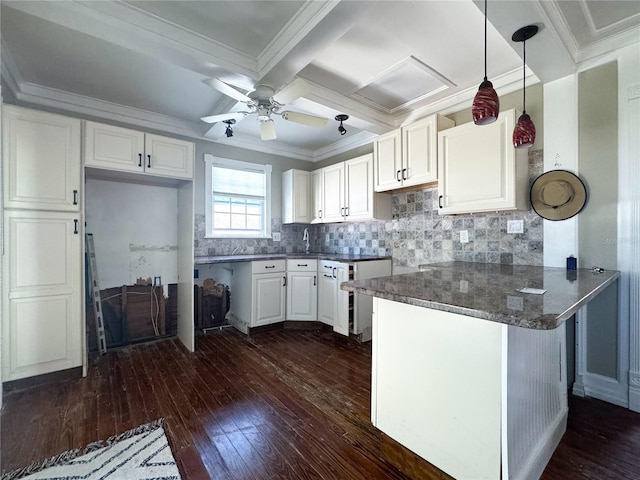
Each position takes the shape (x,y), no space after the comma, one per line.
(558,195)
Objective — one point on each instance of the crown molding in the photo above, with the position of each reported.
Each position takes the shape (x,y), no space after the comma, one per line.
(272,147)
(344,145)
(297,28)
(10,71)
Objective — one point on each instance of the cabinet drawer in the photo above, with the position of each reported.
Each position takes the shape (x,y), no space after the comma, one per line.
(268,266)
(302,265)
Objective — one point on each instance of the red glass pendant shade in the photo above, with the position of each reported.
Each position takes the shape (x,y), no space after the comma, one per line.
(486,104)
(524,134)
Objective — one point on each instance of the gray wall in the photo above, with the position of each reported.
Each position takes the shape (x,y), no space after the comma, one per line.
(597,232)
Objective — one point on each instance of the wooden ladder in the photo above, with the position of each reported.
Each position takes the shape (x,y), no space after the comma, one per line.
(95,294)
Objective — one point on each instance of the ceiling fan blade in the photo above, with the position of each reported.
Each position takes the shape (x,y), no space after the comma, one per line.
(305,119)
(267,130)
(227,89)
(296,89)
(224,116)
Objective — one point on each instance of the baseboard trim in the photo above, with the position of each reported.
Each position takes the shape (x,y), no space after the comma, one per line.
(45,378)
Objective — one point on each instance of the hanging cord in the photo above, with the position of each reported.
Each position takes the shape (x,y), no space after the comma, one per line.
(524,77)
(485,40)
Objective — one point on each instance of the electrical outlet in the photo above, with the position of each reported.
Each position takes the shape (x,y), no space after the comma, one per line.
(276,236)
(464,236)
(515,226)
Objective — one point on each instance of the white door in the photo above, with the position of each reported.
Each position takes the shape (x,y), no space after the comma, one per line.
(113,148)
(419,151)
(168,157)
(333,183)
(317,206)
(388,162)
(302,296)
(327,291)
(269,298)
(341,322)
(42,325)
(359,187)
(42,168)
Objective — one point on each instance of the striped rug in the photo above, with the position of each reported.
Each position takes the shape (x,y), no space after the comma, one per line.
(139,454)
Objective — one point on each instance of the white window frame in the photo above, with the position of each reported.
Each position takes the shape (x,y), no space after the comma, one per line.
(210,161)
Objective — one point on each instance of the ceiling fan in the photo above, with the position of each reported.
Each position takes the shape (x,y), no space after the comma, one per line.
(265,102)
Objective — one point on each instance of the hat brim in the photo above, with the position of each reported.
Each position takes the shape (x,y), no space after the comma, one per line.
(563,212)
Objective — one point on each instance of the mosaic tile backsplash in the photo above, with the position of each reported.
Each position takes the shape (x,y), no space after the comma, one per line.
(415,235)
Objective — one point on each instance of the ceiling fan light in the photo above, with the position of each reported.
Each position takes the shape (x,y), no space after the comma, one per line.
(267,130)
(486,104)
(524,133)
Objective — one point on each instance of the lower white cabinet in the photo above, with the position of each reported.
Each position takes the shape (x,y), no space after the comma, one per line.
(302,289)
(258,292)
(347,312)
(42,328)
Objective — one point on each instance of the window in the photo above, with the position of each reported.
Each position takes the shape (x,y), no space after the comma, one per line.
(238,198)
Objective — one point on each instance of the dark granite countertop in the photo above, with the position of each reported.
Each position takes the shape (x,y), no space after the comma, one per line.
(337,257)
(490,291)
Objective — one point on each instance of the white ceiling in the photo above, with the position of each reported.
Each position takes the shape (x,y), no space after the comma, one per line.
(383,63)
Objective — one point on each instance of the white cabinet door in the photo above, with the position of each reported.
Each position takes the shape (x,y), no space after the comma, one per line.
(480,170)
(302,296)
(333,183)
(359,191)
(388,161)
(341,321)
(113,148)
(42,325)
(125,150)
(317,207)
(296,197)
(419,152)
(327,290)
(168,157)
(268,298)
(42,168)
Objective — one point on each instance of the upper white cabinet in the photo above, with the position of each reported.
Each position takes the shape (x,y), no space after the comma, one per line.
(296,197)
(317,196)
(479,169)
(121,149)
(408,156)
(344,192)
(42,168)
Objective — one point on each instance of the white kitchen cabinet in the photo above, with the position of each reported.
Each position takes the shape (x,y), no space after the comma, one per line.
(296,197)
(480,171)
(42,330)
(259,290)
(408,156)
(302,289)
(317,196)
(42,168)
(347,312)
(347,192)
(121,149)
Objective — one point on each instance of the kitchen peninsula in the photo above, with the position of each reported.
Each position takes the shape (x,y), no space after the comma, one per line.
(469,370)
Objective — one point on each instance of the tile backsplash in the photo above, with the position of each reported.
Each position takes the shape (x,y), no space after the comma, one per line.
(415,235)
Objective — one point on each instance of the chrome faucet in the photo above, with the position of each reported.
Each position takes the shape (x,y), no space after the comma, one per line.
(305,238)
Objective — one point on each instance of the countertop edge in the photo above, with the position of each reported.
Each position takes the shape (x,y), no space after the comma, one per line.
(213,259)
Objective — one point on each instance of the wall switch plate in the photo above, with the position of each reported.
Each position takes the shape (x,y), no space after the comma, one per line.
(515,226)
(464,286)
(276,236)
(464,236)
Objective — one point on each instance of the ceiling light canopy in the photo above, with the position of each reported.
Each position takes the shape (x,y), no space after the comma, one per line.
(342,118)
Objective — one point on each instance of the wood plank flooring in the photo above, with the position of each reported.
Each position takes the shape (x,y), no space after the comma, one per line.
(284,404)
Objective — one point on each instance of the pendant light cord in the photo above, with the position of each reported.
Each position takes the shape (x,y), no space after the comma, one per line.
(524,76)
(485,40)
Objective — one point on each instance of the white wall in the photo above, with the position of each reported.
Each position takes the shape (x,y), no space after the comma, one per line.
(135,229)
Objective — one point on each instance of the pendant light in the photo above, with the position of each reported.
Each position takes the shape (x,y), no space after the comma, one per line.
(524,133)
(486,104)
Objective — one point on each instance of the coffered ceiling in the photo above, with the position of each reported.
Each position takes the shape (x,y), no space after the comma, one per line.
(143,63)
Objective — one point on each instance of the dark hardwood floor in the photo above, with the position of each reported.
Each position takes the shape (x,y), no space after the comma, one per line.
(284,404)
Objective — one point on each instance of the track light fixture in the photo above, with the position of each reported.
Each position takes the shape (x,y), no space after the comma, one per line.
(342,118)
(486,104)
(229,131)
(524,133)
